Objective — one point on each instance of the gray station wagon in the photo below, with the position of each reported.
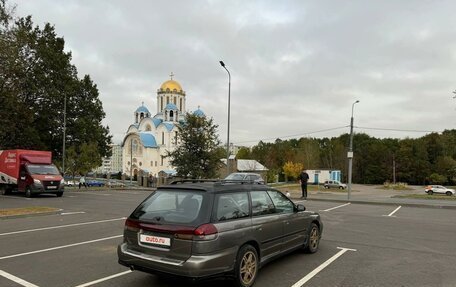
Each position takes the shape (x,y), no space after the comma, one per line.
(203,229)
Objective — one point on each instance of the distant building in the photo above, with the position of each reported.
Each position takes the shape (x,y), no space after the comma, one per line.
(116,159)
(112,164)
(317,176)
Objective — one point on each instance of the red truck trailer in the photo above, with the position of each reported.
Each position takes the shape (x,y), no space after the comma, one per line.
(29,171)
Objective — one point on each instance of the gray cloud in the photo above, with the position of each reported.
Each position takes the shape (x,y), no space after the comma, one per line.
(296,66)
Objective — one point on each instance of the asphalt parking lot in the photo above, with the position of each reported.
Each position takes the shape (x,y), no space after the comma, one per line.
(362,245)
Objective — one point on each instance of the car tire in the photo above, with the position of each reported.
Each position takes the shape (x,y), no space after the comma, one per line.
(341,187)
(246,266)
(313,239)
(59,194)
(430,192)
(28,192)
(449,193)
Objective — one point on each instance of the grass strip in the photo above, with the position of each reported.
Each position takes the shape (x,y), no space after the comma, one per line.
(426,196)
(26,210)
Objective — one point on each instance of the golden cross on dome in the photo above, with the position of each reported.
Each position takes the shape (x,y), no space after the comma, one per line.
(171,75)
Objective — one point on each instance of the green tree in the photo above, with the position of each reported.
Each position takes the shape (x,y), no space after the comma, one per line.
(198,152)
(244,153)
(36,77)
(308,153)
(446,166)
(82,158)
(437,178)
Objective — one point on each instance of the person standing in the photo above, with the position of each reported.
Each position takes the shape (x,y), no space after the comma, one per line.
(82,182)
(303,178)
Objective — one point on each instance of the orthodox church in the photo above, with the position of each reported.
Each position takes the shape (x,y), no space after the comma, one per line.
(148,139)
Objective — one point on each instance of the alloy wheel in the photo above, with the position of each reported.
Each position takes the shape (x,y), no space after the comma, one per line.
(248,268)
(314,238)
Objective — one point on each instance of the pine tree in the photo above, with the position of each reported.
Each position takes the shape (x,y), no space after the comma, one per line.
(198,152)
(36,78)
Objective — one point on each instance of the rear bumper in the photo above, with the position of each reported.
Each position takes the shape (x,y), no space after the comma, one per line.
(195,267)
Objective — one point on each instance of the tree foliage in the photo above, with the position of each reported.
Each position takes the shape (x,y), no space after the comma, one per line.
(36,78)
(81,159)
(198,152)
(292,170)
(414,161)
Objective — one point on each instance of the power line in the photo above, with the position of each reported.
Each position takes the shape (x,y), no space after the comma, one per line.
(296,135)
(396,130)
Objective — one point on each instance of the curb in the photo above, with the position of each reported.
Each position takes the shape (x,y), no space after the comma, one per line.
(422,205)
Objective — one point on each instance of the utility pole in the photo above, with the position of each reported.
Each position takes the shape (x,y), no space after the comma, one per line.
(394,170)
(350,153)
(64,136)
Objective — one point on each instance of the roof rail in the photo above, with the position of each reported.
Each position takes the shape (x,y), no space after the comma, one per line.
(193,180)
(218,181)
(240,181)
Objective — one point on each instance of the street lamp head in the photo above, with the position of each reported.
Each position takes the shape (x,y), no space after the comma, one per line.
(223,64)
(356,102)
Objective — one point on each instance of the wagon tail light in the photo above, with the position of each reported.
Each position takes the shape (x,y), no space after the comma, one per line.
(132,225)
(201,233)
(205,232)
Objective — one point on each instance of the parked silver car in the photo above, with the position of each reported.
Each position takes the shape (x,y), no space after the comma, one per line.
(245,176)
(204,229)
(334,184)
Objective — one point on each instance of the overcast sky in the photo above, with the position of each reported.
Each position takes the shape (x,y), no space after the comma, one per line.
(297,66)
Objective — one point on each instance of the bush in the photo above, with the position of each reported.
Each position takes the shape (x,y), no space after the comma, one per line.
(436,178)
(396,186)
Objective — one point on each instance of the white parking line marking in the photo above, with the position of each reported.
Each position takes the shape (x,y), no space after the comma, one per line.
(16,279)
(71,213)
(104,279)
(329,209)
(59,247)
(391,214)
(98,194)
(321,267)
(62,226)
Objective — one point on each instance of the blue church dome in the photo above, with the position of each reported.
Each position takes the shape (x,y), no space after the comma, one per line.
(199,113)
(142,109)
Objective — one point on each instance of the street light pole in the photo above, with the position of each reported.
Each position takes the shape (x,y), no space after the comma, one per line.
(228,133)
(350,153)
(64,136)
(131,160)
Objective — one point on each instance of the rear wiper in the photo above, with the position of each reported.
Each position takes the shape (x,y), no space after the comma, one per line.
(158,218)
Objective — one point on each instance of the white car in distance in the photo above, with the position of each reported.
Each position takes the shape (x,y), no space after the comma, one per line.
(431,189)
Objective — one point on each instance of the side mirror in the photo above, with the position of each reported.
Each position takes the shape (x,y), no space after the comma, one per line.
(300,207)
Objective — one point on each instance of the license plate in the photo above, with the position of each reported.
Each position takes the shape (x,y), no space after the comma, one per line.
(156,240)
(52,187)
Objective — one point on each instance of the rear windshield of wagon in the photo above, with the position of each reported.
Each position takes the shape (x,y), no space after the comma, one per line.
(174,207)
